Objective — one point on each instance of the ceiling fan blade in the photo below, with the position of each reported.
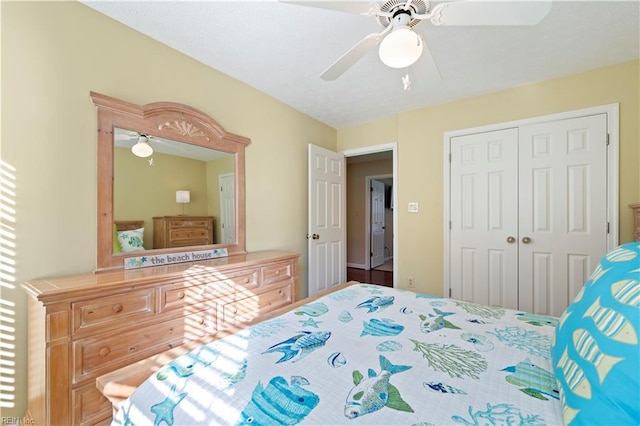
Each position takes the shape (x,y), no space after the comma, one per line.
(427,64)
(124,137)
(352,56)
(353,7)
(483,12)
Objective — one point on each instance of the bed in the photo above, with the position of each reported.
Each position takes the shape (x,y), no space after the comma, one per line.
(366,354)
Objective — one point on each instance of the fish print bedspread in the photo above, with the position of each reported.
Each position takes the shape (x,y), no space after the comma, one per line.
(363,355)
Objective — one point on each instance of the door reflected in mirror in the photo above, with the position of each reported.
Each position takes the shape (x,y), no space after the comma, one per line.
(184,194)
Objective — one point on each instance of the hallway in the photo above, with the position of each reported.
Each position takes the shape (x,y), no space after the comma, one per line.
(372,276)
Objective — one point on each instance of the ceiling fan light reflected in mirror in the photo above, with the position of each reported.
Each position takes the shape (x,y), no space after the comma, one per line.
(401,48)
(142,148)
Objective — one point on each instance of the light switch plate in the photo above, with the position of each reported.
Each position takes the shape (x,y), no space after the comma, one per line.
(413,207)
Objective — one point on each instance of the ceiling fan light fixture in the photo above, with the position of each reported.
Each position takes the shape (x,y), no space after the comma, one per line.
(142,148)
(401,48)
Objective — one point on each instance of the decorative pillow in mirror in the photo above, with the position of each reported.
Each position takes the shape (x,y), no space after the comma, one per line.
(116,242)
(596,353)
(131,240)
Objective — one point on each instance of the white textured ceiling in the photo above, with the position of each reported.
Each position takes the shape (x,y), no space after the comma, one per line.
(281,49)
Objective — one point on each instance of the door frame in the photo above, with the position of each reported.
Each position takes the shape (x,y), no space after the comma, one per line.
(372,149)
(613,175)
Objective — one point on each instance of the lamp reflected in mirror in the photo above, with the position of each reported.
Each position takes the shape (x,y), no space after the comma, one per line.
(183,197)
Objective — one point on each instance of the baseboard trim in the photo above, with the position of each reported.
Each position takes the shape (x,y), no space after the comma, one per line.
(356,265)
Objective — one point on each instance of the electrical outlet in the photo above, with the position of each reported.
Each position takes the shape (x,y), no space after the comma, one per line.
(412,283)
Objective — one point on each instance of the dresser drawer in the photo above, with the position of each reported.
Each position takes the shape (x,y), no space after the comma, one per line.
(89,405)
(96,354)
(251,307)
(182,294)
(189,234)
(276,273)
(194,298)
(189,242)
(113,311)
(189,223)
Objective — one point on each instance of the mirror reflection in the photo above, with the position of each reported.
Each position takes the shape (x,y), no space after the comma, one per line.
(171,194)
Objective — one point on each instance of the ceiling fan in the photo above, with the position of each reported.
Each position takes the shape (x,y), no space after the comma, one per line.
(401,46)
(141,148)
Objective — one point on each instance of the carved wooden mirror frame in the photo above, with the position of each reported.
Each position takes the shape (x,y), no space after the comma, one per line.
(168,120)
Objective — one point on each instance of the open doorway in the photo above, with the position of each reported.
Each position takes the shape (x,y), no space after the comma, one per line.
(370,249)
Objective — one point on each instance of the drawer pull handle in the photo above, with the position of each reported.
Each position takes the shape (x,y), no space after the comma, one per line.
(246,280)
(181,295)
(117,308)
(215,287)
(132,348)
(201,321)
(104,351)
(278,272)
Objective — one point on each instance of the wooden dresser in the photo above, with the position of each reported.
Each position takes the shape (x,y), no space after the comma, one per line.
(81,327)
(182,231)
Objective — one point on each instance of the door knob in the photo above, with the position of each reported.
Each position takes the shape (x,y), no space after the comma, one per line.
(526,240)
(511,239)
(315,236)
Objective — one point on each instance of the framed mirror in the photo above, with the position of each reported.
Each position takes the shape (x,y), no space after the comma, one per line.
(168,175)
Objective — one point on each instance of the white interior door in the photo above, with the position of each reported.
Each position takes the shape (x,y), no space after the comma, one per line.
(377,223)
(484,218)
(563,215)
(227,208)
(327,219)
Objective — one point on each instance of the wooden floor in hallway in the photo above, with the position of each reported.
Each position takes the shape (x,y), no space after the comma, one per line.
(372,276)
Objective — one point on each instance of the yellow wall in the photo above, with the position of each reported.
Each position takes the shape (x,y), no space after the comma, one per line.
(53,55)
(419,134)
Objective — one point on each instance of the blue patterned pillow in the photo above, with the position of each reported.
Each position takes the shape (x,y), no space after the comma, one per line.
(131,240)
(596,355)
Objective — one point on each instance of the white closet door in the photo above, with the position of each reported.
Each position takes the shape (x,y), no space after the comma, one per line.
(484,214)
(562,203)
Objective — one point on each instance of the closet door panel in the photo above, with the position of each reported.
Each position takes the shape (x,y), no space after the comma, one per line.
(484,214)
(562,209)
